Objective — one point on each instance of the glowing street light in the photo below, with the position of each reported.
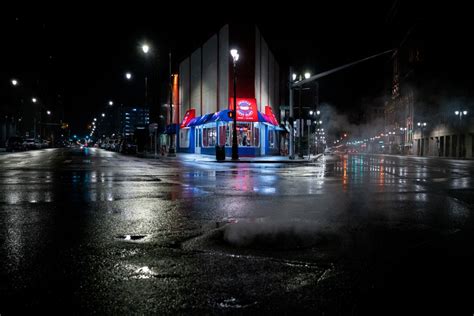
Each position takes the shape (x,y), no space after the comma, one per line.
(111,103)
(33,100)
(307,75)
(103,114)
(95,119)
(460,114)
(48,112)
(235,149)
(14,82)
(145,48)
(128,76)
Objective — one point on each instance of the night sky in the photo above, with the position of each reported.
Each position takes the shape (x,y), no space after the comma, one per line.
(78,59)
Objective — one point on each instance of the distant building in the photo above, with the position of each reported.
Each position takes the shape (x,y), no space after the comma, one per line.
(119,120)
(132,117)
(426,92)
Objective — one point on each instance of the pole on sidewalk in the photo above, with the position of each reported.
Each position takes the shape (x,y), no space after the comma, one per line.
(301,126)
(291,150)
(171,151)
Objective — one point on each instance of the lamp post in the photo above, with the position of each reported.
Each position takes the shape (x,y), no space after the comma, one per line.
(235,150)
(460,114)
(402,143)
(145,50)
(171,151)
(422,126)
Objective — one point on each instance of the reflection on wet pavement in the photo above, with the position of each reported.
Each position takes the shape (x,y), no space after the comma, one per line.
(104,220)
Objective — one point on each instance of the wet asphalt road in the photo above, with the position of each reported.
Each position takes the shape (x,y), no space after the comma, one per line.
(98,232)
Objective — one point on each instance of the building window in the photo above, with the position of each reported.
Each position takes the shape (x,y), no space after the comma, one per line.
(247,134)
(184,138)
(271,139)
(209,135)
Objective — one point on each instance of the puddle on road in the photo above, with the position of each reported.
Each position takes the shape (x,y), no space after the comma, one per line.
(138,272)
(131,237)
(233,303)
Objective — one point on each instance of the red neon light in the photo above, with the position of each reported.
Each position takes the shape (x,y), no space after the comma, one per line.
(246,109)
(270,115)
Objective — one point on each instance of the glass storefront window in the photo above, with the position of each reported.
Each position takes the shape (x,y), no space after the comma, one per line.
(209,136)
(247,134)
(271,138)
(184,137)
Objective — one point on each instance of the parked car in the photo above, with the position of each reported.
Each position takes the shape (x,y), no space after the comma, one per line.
(14,143)
(45,143)
(31,143)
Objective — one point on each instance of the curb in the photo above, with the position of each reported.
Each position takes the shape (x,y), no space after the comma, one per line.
(295,161)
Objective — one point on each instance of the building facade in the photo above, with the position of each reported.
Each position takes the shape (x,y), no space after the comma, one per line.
(427,92)
(206,91)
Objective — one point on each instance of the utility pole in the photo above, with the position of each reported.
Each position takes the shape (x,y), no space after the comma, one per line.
(300,125)
(171,152)
(291,148)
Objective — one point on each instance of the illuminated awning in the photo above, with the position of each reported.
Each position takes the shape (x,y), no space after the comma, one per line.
(190,114)
(270,116)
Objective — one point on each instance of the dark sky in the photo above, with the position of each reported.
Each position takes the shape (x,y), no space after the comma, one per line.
(78,58)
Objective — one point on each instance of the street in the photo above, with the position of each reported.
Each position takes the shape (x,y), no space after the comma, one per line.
(93,231)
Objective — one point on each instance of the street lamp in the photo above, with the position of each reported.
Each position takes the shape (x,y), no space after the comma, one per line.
(95,119)
(14,82)
(460,114)
(128,76)
(307,75)
(171,150)
(235,150)
(403,131)
(48,112)
(103,114)
(145,50)
(422,126)
(111,103)
(33,100)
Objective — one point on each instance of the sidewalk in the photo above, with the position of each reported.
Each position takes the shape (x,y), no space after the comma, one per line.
(212,158)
